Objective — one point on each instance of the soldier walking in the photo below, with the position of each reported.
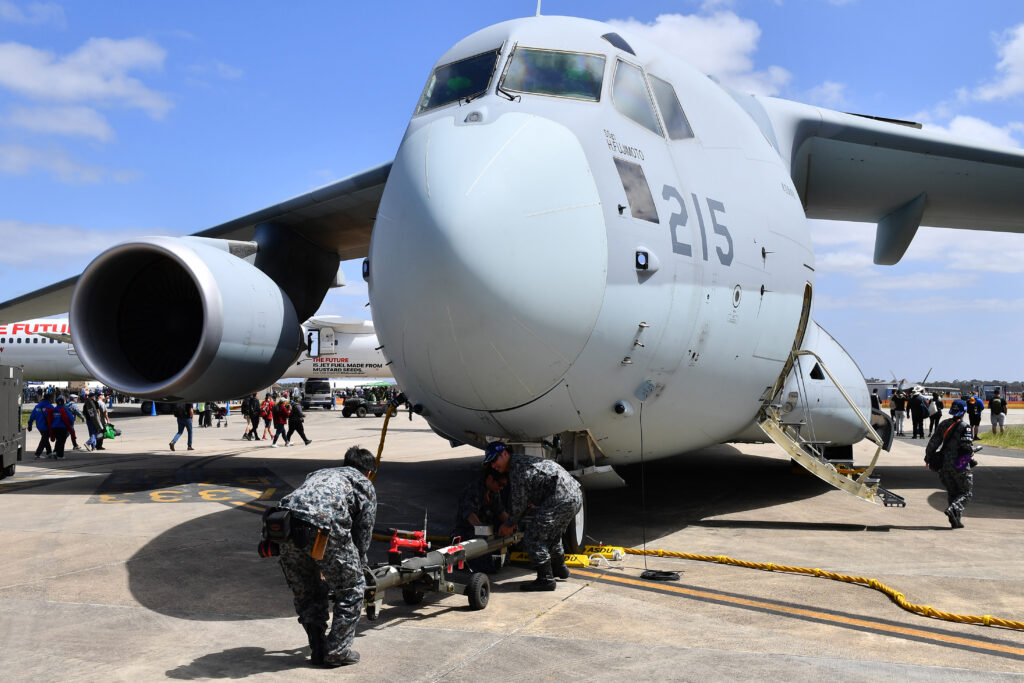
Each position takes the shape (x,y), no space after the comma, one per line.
(957,454)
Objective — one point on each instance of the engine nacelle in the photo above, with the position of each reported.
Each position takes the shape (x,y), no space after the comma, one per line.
(175,319)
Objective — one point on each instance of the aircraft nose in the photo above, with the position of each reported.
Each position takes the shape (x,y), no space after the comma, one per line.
(488,259)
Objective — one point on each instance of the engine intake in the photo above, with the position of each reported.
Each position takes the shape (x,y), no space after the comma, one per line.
(180,319)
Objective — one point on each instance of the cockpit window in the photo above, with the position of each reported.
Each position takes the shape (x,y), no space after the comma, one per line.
(630,96)
(466,78)
(572,75)
(671,113)
(549,72)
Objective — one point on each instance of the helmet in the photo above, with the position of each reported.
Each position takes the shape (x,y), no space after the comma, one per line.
(958,407)
(493,450)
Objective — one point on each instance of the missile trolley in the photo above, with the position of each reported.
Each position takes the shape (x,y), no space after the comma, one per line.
(430,571)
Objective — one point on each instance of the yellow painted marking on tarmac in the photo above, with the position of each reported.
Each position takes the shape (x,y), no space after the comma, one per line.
(248,506)
(110,498)
(823,616)
(268,494)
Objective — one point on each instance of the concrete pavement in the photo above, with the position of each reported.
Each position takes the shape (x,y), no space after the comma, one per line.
(138,564)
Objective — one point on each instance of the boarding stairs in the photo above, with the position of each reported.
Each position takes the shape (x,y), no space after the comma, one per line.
(810,454)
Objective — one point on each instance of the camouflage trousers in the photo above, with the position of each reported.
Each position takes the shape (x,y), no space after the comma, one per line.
(959,485)
(342,575)
(543,536)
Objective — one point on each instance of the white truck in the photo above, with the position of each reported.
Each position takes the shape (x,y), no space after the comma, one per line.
(317,392)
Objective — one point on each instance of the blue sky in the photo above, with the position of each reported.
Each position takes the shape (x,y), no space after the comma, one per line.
(126,119)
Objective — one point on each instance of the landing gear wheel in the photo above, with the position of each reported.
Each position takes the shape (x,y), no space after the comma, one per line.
(478,590)
(345,412)
(573,539)
(360,412)
(411,595)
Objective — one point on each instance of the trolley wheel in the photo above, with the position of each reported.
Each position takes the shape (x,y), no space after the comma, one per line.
(478,590)
(8,471)
(360,412)
(345,412)
(411,595)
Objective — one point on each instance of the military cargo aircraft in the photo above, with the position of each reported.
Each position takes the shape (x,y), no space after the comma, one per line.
(582,243)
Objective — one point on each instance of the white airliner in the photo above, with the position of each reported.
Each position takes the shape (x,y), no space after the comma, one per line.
(580,237)
(334,347)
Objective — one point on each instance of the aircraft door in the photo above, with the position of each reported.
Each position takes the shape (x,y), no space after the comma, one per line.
(319,341)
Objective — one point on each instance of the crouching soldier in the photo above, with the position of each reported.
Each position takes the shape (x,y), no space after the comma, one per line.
(332,516)
(557,498)
(482,503)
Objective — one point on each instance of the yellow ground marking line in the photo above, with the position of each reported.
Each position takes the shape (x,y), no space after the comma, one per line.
(799,611)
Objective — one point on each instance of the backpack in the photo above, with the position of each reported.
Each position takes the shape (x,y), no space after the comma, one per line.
(933,451)
(181,411)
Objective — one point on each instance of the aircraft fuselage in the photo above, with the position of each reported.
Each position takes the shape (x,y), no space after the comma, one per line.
(582,264)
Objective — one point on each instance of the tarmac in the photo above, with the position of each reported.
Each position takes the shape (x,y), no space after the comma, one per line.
(136,563)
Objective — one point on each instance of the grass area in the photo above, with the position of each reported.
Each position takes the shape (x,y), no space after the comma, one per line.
(24,417)
(1012,438)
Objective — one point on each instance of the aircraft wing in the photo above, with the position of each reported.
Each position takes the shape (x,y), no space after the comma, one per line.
(859,168)
(342,324)
(337,216)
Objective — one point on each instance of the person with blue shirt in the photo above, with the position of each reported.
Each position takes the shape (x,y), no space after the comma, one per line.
(40,417)
(61,425)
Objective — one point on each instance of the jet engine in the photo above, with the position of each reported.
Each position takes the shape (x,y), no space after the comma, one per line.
(183,319)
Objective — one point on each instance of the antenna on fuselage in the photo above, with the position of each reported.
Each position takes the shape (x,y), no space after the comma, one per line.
(538,7)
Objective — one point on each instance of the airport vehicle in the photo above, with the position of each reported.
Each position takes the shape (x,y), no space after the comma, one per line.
(361,407)
(579,237)
(12,436)
(335,347)
(317,392)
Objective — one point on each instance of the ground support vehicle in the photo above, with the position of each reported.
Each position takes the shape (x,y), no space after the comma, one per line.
(360,407)
(12,436)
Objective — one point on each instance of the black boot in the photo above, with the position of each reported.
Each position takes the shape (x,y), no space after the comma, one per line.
(545,580)
(317,635)
(558,567)
(954,523)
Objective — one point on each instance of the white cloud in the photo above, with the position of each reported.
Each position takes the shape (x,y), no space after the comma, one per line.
(23,160)
(846,247)
(97,71)
(977,130)
(829,94)
(1010,67)
(916,282)
(67,247)
(34,13)
(844,261)
(217,68)
(74,121)
(721,44)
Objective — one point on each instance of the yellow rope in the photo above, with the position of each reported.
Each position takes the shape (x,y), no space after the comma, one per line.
(380,446)
(894,595)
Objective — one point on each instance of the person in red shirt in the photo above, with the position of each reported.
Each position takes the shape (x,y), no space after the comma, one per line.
(281,412)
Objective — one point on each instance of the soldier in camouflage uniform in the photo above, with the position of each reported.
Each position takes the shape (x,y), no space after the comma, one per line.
(482,503)
(557,498)
(343,502)
(957,460)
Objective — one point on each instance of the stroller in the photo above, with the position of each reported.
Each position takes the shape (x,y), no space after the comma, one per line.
(221,413)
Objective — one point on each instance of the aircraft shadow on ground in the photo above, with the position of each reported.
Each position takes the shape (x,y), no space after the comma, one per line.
(207,568)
